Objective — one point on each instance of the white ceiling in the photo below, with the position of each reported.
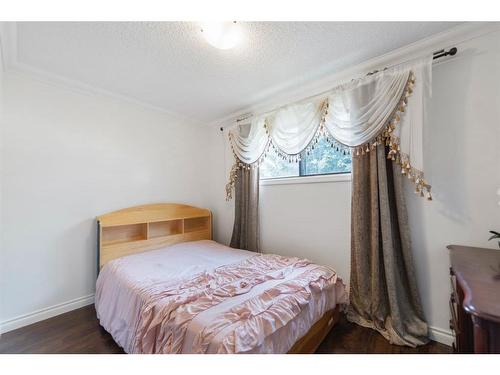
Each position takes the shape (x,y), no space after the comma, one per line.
(169,65)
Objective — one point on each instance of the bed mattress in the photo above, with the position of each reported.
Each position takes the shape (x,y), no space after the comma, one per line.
(203,297)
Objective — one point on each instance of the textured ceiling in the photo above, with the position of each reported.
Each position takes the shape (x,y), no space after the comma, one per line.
(169,65)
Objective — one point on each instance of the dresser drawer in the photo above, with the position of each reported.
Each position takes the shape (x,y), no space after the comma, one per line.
(454,305)
(453,282)
(460,322)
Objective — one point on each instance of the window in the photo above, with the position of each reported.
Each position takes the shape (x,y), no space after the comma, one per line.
(322,160)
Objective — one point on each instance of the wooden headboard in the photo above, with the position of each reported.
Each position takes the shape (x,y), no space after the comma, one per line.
(142,228)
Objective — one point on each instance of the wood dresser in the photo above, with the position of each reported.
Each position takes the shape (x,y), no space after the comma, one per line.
(475,299)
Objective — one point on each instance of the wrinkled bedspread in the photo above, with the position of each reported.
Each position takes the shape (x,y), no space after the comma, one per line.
(203,297)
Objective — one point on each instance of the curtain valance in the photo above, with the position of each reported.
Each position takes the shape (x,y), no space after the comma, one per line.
(354,117)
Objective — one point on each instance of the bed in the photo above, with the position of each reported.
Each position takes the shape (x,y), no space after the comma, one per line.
(165,287)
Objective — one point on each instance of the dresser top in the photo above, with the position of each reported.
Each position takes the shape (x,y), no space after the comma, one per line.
(478,272)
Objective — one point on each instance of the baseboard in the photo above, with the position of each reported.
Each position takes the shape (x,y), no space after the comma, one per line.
(42,314)
(440,335)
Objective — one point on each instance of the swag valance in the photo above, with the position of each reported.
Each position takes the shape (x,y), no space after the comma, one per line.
(385,108)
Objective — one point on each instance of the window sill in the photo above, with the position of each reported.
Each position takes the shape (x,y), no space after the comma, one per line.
(341,177)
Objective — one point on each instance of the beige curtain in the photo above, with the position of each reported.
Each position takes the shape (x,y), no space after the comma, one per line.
(383,289)
(246,214)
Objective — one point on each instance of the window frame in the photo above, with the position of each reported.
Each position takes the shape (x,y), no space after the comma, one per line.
(307,179)
(322,177)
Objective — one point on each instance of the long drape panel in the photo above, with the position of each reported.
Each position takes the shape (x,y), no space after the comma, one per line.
(383,289)
(246,214)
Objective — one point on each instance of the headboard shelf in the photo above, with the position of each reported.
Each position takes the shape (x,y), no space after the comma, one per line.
(124,233)
(165,228)
(195,224)
(138,229)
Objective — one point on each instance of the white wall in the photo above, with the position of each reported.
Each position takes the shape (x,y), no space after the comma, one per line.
(316,225)
(67,157)
(462,162)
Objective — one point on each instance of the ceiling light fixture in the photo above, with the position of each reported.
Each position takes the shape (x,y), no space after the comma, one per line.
(222,35)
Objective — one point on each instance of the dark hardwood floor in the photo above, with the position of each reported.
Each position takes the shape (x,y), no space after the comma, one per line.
(78,331)
(349,338)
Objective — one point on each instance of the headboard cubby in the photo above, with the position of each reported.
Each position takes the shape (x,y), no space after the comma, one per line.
(148,227)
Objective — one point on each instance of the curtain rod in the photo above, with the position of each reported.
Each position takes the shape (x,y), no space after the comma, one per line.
(436,55)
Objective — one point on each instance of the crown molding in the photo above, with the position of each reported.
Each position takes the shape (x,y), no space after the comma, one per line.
(8,42)
(293,91)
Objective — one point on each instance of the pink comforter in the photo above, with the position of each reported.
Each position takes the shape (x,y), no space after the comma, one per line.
(239,303)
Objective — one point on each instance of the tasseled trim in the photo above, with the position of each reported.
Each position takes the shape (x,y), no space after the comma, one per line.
(384,138)
(233,175)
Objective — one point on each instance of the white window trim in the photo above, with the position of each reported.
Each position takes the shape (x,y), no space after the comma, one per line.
(339,177)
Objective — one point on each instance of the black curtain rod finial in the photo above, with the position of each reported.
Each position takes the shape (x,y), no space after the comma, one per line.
(442,53)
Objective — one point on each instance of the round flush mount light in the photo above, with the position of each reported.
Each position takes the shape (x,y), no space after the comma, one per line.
(222,35)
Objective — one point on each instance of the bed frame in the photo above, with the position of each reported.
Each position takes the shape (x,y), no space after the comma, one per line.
(148,227)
